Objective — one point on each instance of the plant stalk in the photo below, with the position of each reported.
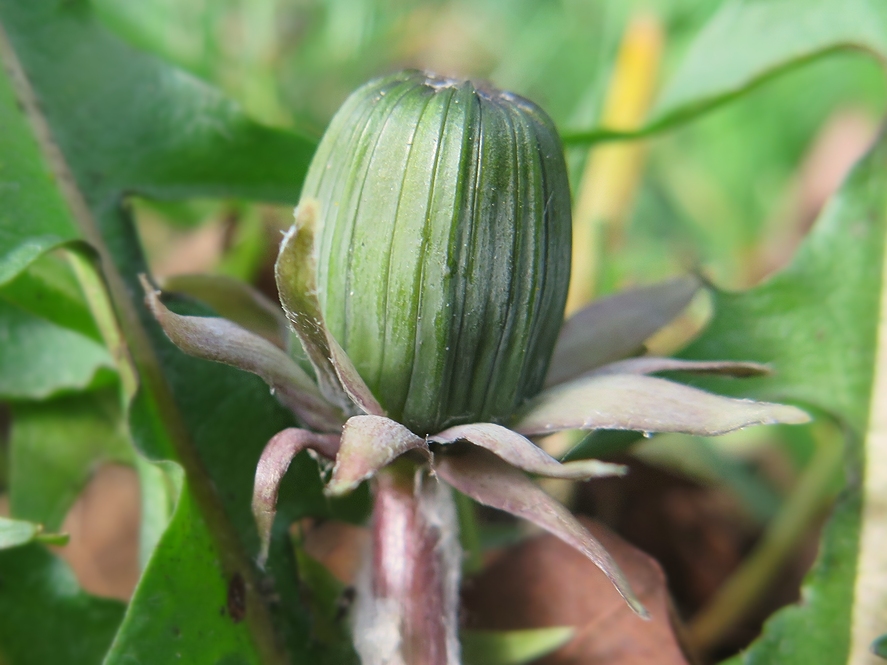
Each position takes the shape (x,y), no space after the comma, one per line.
(407,603)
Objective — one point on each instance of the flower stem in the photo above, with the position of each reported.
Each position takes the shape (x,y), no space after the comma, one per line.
(407,604)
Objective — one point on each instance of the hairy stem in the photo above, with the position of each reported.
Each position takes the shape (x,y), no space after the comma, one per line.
(408,600)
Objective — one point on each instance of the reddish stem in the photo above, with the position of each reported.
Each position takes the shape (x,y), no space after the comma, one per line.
(413,582)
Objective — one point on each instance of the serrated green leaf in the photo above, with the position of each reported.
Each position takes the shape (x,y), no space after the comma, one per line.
(816,323)
(45,617)
(232,415)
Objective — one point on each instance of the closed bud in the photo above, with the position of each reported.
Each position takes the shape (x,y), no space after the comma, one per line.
(442,245)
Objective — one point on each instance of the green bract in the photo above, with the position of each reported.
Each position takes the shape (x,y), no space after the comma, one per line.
(443,245)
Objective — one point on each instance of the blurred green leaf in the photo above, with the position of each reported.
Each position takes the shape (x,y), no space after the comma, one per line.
(39,358)
(160,484)
(126,122)
(57,445)
(816,324)
(603,444)
(512,647)
(48,288)
(33,216)
(44,615)
(14,533)
(879,646)
(749,42)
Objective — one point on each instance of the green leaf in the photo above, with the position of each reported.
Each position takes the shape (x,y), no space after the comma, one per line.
(512,647)
(126,122)
(749,42)
(14,533)
(33,216)
(44,615)
(879,646)
(116,121)
(55,447)
(39,358)
(231,415)
(186,608)
(816,323)
(49,289)
(160,484)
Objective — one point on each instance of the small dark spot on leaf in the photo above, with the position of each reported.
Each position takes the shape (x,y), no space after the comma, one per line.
(237,598)
(176,631)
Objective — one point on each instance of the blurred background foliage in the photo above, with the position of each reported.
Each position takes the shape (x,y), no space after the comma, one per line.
(731,194)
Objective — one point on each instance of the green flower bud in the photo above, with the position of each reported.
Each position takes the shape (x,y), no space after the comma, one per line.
(443,245)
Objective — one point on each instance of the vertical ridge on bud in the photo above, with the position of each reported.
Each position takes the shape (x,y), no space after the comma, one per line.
(443,245)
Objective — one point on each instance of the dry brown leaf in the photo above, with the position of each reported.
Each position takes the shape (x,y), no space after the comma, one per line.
(338,546)
(544,582)
(104,527)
